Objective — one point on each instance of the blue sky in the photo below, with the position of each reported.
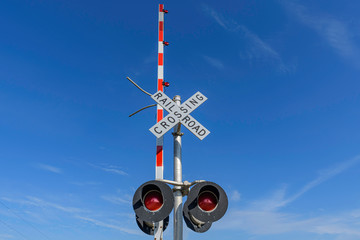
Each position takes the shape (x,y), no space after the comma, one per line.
(283,111)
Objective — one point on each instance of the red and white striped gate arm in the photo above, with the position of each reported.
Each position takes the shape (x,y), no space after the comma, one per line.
(159,167)
(159,171)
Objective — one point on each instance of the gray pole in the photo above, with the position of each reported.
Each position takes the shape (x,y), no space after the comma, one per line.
(178,223)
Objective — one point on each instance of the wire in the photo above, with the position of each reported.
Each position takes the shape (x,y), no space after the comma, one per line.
(13,229)
(27,222)
(152,105)
(138,86)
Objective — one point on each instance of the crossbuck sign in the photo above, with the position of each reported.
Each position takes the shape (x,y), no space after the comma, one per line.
(179,114)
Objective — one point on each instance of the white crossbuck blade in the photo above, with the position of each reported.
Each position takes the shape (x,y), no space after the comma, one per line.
(179,114)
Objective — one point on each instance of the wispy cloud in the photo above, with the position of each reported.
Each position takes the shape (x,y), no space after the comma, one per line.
(46,207)
(117,200)
(214,62)
(324,175)
(42,203)
(332,30)
(218,18)
(109,225)
(6,237)
(114,170)
(235,196)
(278,198)
(265,216)
(49,168)
(110,168)
(81,184)
(257,49)
(270,222)
(34,201)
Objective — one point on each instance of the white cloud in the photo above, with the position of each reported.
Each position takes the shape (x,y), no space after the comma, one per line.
(34,201)
(110,168)
(112,226)
(214,62)
(272,222)
(114,170)
(271,203)
(117,200)
(265,216)
(73,212)
(278,199)
(41,203)
(49,168)
(258,50)
(235,196)
(6,236)
(217,17)
(324,175)
(86,183)
(333,31)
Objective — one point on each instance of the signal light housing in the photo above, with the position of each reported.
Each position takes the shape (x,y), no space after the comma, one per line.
(165,11)
(206,203)
(149,227)
(153,201)
(166,43)
(192,223)
(166,84)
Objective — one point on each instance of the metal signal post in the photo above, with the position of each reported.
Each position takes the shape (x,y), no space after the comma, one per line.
(178,223)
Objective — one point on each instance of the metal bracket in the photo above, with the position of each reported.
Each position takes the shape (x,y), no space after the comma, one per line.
(185,186)
(177,133)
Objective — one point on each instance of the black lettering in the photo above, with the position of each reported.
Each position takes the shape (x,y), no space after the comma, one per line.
(172,119)
(168,104)
(163,101)
(186,119)
(188,105)
(191,122)
(177,114)
(164,124)
(193,102)
(156,130)
(199,97)
(196,128)
(158,95)
(202,132)
(184,110)
(171,108)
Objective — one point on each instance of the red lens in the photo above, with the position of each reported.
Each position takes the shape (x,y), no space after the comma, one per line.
(153,200)
(207,201)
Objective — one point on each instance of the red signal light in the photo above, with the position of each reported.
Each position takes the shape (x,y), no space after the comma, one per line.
(166,43)
(207,201)
(153,200)
(166,84)
(165,11)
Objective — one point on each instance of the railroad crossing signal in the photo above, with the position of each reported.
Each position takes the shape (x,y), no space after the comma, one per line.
(179,114)
(206,203)
(153,202)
